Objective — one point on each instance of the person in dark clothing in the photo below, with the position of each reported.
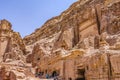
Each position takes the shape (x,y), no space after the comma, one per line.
(54,74)
(47,75)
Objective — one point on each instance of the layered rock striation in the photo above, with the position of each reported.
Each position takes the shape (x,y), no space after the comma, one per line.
(85,37)
(13,64)
(83,43)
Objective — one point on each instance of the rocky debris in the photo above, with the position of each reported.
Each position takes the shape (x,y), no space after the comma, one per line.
(15,72)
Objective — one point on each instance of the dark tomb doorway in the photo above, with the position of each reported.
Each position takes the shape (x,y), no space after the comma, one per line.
(81,74)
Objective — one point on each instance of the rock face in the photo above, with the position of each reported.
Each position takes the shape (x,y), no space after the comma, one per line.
(13,64)
(83,43)
(11,44)
(83,40)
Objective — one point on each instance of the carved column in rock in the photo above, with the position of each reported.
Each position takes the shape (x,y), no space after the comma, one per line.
(76,34)
(96,42)
(5,28)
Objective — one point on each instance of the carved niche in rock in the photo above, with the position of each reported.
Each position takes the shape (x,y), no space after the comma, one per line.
(96,42)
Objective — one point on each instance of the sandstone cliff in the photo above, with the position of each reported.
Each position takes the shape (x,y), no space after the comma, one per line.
(12,54)
(83,40)
(80,26)
(88,33)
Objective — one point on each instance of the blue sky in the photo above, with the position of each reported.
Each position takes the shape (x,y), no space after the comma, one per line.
(27,15)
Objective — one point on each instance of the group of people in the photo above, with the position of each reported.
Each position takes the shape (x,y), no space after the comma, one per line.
(54,75)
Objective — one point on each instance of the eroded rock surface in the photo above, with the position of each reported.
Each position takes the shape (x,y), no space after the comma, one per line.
(86,35)
(83,43)
(13,64)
